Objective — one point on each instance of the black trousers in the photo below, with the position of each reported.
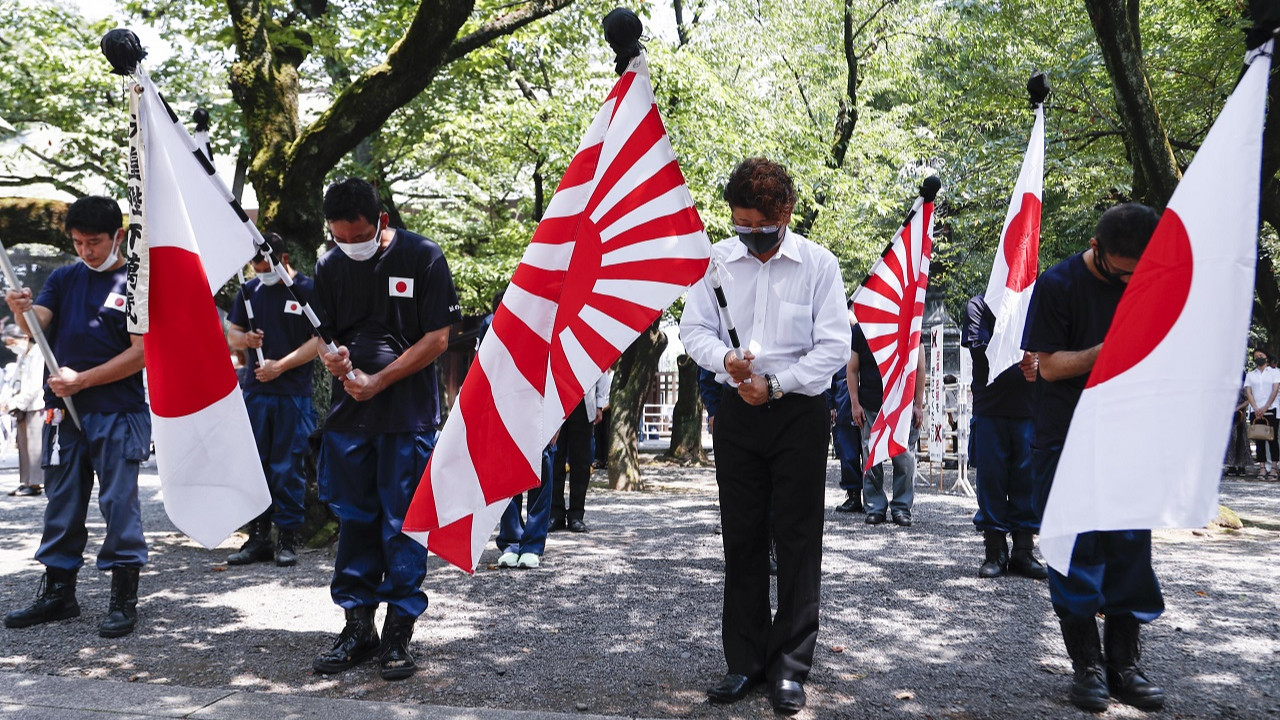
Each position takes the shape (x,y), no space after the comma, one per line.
(771,464)
(574,448)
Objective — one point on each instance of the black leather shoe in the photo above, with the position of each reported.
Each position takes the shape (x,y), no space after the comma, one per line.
(28,490)
(577,526)
(732,689)
(787,696)
(557,524)
(395,661)
(902,518)
(851,505)
(875,518)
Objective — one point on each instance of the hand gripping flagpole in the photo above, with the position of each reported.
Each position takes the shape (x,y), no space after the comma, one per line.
(716,284)
(928,192)
(37,332)
(124,51)
(248,310)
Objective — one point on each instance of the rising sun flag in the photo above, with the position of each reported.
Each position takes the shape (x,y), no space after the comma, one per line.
(890,309)
(619,242)
(1173,350)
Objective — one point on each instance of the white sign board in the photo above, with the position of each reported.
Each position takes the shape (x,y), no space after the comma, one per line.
(937,397)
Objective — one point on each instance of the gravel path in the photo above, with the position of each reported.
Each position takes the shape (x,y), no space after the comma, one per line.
(624,619)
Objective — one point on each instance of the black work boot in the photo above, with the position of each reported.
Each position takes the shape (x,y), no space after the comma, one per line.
(258,547)
(1089,684)
(55,600)
(357,642)
(122,615)
(852,504)
(286,548)
(1022,561)
(997,559)
(394,658)
(1127,683)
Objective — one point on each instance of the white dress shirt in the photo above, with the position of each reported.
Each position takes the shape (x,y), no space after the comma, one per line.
(790,312)
(597,397)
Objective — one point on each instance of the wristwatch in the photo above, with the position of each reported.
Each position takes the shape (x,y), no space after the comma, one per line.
(775,387)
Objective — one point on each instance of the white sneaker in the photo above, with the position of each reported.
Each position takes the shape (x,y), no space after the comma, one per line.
(508,559)
(529,561)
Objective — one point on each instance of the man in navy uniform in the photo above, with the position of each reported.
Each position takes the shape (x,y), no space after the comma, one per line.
(277,395)
(1000,452)
(388,298)
(1071,310)
(81,308)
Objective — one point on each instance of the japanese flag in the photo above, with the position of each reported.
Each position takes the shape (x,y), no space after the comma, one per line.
(1173,350)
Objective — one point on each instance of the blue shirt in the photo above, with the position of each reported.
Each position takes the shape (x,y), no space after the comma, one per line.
(87,330)
(378,308)
(1071,309)
(1010,395)
(284,328)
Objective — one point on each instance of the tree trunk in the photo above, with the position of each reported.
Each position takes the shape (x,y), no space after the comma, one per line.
(686,417)
(1115,23)
(630,384)
(290,162)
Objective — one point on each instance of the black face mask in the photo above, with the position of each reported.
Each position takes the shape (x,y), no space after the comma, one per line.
(1104,269)
(761,243)
(1259,361)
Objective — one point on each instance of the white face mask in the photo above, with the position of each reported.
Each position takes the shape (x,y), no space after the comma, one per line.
(269,278)
(105,265)
(362,251)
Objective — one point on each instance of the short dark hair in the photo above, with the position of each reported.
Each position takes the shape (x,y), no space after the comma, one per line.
(351,199)
(278,244)
(1125,230)
(94,215)
(761,184)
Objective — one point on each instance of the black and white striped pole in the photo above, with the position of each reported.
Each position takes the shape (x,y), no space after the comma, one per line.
(718,286)
(124,51)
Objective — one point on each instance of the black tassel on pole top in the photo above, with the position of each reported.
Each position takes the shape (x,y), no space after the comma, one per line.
(123,50)
(1038,88)
(622,30)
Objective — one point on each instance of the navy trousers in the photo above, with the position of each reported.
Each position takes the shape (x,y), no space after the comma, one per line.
(1110,571)
(368,482)
(1000,453)
(281,426)
(846,438)
(111,445)
(519,535)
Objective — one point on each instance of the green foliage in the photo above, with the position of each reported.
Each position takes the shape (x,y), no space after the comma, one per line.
(940,88)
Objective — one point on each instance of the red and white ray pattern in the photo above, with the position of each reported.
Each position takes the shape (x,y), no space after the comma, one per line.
(619,242)
(890,309)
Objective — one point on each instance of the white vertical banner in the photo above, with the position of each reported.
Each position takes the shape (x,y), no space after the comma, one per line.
(937,397)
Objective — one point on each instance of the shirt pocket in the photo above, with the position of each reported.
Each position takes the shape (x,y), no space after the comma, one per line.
(795,325)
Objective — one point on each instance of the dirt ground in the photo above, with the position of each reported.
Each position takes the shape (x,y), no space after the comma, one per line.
(624,619)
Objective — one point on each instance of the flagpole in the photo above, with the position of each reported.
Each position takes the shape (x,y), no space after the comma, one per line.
(716,284)
(37,332)
(928,192)
(248,309)
(124,51)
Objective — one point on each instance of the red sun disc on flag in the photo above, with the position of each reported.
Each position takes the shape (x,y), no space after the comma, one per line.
(1151,304)
(1022,244)
(119,302)
(402,286)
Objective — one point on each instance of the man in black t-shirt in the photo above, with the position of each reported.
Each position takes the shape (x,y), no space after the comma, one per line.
(1110,574)
(1000,452)
(388,299)
(866,396)
(277,395)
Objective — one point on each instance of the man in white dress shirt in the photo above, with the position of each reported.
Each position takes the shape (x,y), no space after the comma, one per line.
(772,428)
